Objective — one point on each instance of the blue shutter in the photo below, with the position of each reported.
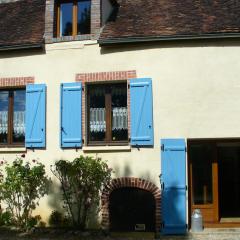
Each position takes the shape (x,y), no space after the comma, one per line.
(173,179)
(71,115)
(35,136)
(141,109)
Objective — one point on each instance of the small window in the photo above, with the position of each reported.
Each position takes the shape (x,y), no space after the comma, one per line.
(107,114)
(12,117)
(73,17)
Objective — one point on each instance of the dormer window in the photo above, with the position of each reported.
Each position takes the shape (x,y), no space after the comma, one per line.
(73,17)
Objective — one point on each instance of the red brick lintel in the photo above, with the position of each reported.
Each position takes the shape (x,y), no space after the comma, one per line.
(106,76)
(15,81)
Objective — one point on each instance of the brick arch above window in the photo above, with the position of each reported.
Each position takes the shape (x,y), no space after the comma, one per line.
(134,183)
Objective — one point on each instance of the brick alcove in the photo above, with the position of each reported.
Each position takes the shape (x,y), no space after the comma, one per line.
(134,183)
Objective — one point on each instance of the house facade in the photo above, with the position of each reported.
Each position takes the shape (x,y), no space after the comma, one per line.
(151,87)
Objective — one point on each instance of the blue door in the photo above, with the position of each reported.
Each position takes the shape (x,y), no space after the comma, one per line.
(173,183)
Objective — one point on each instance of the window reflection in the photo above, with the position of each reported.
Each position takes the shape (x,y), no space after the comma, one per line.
(119,113)
(97,126)
(66,19)
(84,10)
(19,116)
(3,116)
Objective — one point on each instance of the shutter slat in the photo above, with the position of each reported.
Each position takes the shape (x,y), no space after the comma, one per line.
(35,136)
(71,115)
(141,112)
(173,169)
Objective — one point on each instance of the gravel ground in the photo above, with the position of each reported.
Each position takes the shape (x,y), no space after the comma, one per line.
(215,234)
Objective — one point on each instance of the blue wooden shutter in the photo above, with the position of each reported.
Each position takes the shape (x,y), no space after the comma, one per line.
(141,109)
(71,115)
(35,136)
(173,158)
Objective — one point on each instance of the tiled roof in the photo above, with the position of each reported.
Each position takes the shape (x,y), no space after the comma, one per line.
(171,18)
(22,23)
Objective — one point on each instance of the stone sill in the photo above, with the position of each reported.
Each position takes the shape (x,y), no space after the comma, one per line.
(69,45)
(13,150)
(107,149)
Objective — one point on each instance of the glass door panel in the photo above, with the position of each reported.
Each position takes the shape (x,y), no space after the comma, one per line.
(204,179)
(202,174)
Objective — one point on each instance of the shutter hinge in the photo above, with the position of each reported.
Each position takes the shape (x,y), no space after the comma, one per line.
(185,149)
(82,141)
(128,86)
(186,187)
(162,147)
(83,88)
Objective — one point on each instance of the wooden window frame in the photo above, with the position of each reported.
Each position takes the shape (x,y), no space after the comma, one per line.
(108,102)
(74,14)
(10,142)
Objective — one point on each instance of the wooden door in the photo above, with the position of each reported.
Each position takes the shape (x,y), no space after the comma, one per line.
(204,179)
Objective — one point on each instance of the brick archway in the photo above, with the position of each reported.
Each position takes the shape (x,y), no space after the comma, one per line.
(130,182)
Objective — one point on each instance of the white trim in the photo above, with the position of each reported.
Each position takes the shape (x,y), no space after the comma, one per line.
(106,148)
(13,149)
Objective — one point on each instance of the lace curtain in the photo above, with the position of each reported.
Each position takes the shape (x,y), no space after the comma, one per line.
(98,119)
(119,120)
(18,122)
(3,122)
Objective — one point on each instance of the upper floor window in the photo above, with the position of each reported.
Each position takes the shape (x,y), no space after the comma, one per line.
(73,17)
(12,117)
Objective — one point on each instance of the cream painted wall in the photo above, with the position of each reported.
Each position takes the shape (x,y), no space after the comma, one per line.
(196,94)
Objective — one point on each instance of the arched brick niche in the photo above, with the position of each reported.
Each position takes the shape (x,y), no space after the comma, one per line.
(135,183)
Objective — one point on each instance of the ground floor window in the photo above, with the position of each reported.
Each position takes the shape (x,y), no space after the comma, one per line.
(107,114)
(12,117)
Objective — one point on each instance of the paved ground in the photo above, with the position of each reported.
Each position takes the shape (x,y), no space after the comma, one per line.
(209,234)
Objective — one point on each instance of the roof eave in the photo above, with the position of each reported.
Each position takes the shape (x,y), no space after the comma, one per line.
(21,46)
(111,41)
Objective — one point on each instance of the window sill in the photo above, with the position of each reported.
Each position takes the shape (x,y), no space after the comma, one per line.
(13,150)
(83,38)
(107,149)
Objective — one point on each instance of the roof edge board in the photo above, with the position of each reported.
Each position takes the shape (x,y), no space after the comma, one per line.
(110,41)
(16,47)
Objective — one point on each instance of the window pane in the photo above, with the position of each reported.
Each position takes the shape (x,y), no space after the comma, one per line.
(97,113)
(3,116)
(84,12)
(119,112)
(19,116)
(66,16)
(201,156)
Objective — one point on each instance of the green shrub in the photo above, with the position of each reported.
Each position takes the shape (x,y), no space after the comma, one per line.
(81,182)
(21,188)
(6,218)
(55,219)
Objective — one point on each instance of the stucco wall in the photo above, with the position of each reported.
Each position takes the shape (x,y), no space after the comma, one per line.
(196,91)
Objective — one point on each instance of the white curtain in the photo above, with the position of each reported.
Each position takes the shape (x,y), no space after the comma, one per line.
(98,119)
(120,118)
(3,122)
(18,122)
